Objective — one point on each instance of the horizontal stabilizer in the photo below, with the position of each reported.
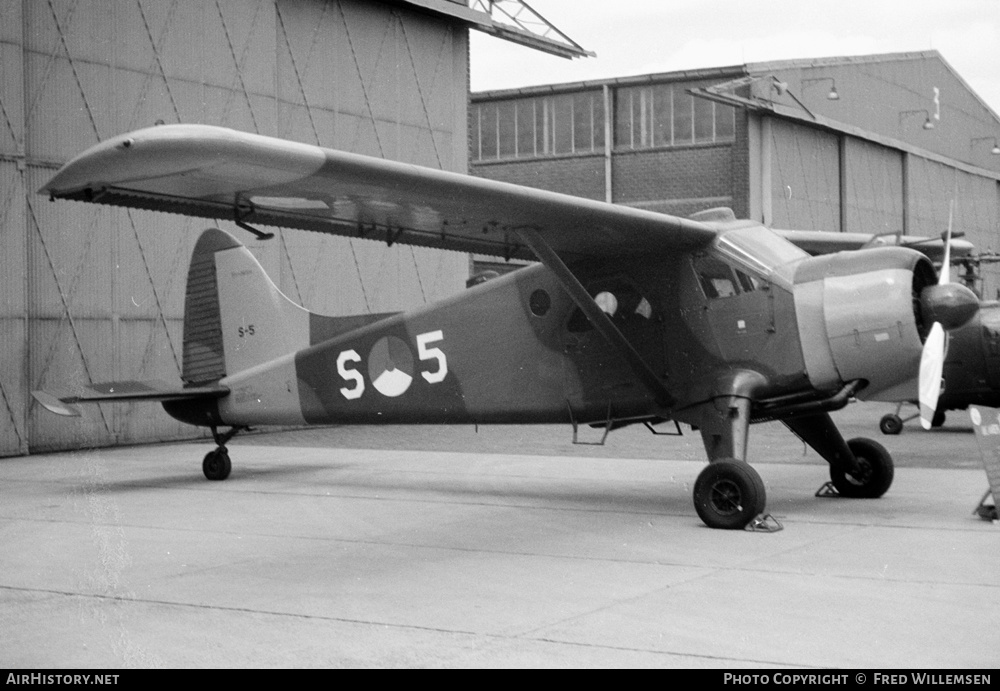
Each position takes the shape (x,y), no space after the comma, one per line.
(817,242)
(63,403)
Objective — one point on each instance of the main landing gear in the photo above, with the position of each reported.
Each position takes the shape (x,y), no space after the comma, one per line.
(873,475)
(216,465)
(729,494)
(859,468)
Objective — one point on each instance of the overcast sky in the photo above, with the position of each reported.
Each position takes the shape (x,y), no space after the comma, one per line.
(643,36)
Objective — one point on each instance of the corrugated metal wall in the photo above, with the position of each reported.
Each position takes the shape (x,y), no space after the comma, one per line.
(807,169)
(935,187)
(92,294)
(873,199)
(805,177)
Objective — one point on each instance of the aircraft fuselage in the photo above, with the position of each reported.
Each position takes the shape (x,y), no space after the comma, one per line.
(749,311)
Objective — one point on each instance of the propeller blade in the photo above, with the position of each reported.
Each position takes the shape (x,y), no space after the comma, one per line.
(931,368)
(935,347)
(946,264)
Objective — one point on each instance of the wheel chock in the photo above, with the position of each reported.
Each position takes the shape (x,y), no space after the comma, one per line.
(827,490)
(764,523)
(988,512)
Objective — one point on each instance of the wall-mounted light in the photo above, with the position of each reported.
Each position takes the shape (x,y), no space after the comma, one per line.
(996,147)
(832,94)
(928,123)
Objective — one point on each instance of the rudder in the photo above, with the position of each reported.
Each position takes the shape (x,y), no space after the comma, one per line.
(235,317)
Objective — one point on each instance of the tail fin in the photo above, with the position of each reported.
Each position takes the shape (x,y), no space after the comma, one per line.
(234,316)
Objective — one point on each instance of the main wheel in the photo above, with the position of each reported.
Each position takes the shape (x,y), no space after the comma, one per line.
(891,424)
(216,465)
(728,494)
(938,419)
(875,471)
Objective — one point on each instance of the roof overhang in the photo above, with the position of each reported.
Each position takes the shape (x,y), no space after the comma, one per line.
(777,101)
(511,20)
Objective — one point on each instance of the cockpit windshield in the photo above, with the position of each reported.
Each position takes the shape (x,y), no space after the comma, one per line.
(759,248)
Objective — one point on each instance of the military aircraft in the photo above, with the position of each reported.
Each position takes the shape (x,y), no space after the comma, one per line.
(630,316)
(971,372)
(972,365)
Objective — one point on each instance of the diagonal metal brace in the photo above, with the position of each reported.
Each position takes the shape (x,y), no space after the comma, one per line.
(239,219)
(533,239)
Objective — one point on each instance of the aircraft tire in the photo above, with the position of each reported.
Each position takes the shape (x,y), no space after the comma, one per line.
(728,494)
(891,424)
(216,465)
(938,419)
(876,471)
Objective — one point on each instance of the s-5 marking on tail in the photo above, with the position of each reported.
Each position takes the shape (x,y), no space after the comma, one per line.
(630,316)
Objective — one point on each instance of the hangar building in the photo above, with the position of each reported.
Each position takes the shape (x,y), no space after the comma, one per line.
(94,294)
(873,144)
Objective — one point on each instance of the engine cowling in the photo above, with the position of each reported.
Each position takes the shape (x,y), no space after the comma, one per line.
(870,324)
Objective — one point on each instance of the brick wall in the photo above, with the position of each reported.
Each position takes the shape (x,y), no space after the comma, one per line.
(740,167)
(673,175)
(678,181)
(581,176)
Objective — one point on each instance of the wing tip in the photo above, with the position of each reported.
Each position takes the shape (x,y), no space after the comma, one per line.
(54,404)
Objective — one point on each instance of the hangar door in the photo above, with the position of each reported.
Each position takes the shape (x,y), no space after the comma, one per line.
(873,194)
(91,293)
(805,178)
(934,187)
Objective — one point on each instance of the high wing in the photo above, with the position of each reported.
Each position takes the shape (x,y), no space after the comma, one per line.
(817,242)
(213,172)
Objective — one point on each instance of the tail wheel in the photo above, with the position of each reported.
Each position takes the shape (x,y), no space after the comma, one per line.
(874,474)
(216,465)
(728,494)
(891,424)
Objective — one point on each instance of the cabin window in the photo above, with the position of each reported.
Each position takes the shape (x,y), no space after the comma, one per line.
(748,282)
(715,276)
(617,298)
(539,303)
(759,248)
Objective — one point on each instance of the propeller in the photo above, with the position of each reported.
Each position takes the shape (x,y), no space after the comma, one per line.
(949,306)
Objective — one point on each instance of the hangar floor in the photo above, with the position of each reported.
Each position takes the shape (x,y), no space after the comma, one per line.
(502,547)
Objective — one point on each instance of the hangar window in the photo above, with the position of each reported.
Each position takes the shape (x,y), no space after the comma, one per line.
(667,115)
(545,126)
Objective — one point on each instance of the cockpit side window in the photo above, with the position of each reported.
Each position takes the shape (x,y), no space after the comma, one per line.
(748,282)
(715,276)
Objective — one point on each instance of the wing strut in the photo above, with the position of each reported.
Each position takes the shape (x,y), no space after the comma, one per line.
(533,239)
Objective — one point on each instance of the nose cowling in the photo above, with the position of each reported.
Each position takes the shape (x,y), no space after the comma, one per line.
(871,321)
